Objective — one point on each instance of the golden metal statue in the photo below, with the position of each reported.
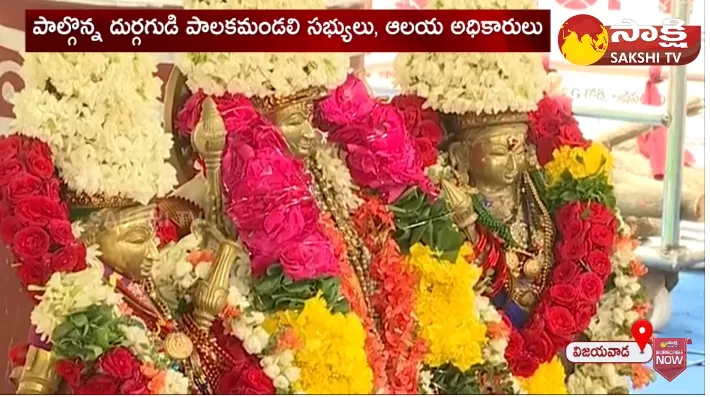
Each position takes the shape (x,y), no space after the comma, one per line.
(494,163)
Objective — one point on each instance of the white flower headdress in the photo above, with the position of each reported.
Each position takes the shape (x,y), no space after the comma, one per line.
(261,74)
(100,114)
(477,83)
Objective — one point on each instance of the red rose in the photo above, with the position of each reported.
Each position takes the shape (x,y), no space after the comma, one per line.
(563,294)
(573,249)
(575,229)
(18,354)
(99,384)
(544,149)
(570,135)
(9,227)
(119,363)
(565,271)
(426,151)
(39,164)
(34,271)
(39,210)
(70,371)
(523,366)
(35,145)
(599,262)
(599,214)
(559,321)
(52,188)
(138,384)
(602,236)
(431,129)
(589,287)
(515,345)
(22,186)
(412,117)
(5,210)
(31,242)
(539,345)
(67,259)
(10,147)
(60,231)
(246,378)
(569,212)
(8,169)
(537,323)
(165,230)
(583,316)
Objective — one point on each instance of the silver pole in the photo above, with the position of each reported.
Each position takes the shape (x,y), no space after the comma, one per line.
(629,113)
(673,178)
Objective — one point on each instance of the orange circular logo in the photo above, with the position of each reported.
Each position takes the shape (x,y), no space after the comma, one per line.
(583,40)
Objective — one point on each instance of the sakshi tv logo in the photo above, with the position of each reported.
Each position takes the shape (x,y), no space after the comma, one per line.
(584,40)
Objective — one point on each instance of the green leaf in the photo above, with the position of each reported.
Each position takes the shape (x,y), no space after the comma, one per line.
(79,320)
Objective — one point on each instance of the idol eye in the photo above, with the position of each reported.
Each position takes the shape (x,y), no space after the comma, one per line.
(136,235)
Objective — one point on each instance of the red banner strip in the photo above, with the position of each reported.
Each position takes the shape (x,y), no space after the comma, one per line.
(146,30)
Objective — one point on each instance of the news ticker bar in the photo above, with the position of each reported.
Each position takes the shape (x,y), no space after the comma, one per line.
(155,30)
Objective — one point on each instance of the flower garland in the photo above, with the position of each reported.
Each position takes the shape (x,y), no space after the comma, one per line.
(33,221)
(261,74)
(473,82)
(101,347)
(92,109)
(347,115)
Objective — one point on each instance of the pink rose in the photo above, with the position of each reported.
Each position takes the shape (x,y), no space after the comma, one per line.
(309,258)
(348,104)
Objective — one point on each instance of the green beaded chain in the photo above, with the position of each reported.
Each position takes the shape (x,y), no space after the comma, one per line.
(498,227)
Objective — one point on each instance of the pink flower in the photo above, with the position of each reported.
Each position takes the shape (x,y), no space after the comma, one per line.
(310,257)
(236,110)
(350,103)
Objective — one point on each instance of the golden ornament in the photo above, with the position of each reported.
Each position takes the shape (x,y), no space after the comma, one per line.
(532,269)
(178,346)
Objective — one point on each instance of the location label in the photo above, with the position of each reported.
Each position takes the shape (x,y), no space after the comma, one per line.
(642,330)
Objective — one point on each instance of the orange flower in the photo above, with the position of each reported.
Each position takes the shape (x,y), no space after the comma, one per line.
(229,312)
(157,383)
(498,330)
(196,257)
(642,309)
(288,340)
(125,309)
(640,376)
(638,268)
(149,371)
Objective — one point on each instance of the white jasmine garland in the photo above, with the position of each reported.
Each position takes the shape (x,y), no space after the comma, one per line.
(101,116)
(261,74)
(69,293)
(175,383)
(337,174)
(460,83)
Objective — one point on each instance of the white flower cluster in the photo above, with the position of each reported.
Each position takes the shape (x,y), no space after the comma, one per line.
(101,116)
(280,369)
(494,351)
(137,340)
(69,293)
(261,74)
(336,173)
(614,318)
(174,274)
(175,383)
(460,83)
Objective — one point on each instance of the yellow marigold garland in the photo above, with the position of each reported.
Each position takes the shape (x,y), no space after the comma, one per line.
(445,307)
(549,378)
(580,162)
(331,349)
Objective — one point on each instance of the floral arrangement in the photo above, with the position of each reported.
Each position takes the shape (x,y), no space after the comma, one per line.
(101,347)
(295,305)
(34,222)
(579,171)
(417,263)
(473,82)
(261,74)
(92,109)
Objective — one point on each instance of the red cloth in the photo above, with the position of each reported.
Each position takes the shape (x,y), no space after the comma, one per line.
(653,143)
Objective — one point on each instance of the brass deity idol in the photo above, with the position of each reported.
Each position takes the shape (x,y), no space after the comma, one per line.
(293,115)
(491,157)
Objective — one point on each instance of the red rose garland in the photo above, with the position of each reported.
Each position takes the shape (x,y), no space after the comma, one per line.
(586,234)
(423,125)
(35,223)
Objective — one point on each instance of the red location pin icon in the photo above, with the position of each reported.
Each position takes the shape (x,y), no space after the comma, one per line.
(642,330)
